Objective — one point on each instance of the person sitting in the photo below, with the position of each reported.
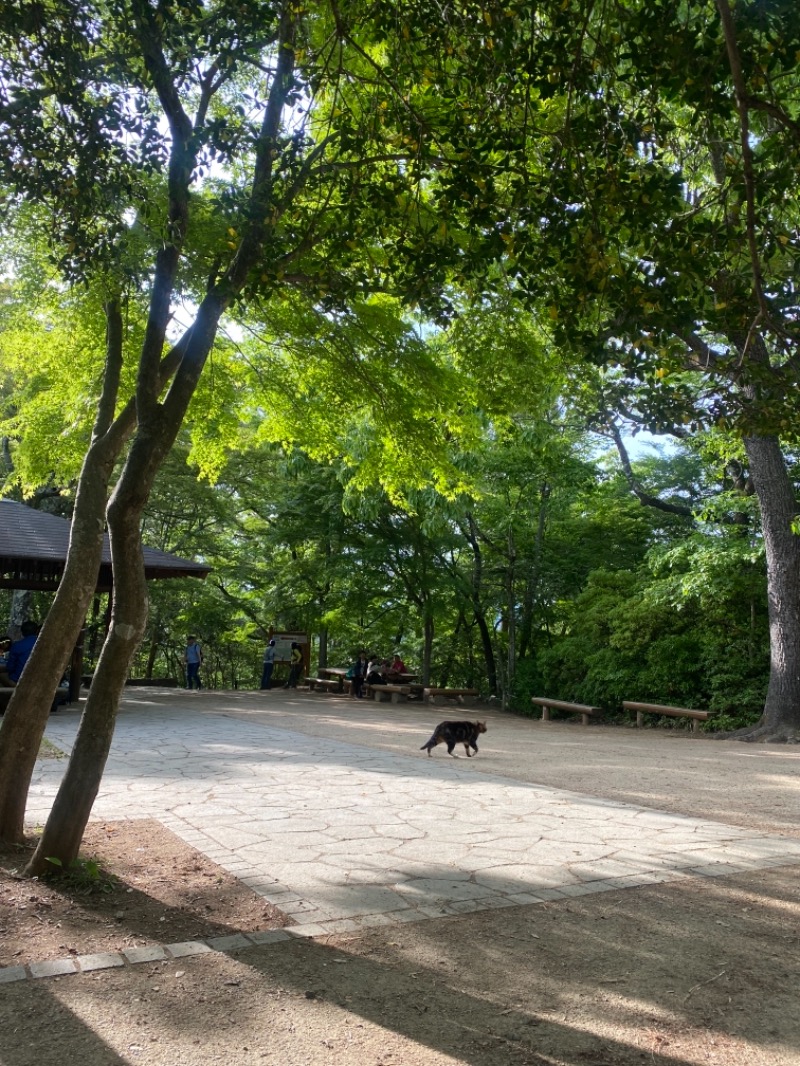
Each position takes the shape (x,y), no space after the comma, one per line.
(394,670)
(5,680)
(20,650)
(375,674)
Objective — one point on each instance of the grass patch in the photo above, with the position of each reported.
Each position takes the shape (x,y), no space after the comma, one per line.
(48,750)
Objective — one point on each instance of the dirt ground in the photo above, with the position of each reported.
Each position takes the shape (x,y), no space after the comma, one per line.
(703,971)
(151,888)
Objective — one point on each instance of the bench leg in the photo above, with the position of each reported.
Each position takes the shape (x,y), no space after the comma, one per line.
(639,719)
(545,714)
(584,719)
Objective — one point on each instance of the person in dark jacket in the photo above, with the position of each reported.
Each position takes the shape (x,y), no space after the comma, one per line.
(20,650)
(358,674)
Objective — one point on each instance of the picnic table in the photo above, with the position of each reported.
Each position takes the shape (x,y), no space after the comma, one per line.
(337,678)
(337,674)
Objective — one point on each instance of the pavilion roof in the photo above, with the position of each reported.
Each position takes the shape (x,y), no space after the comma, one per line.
(33,551)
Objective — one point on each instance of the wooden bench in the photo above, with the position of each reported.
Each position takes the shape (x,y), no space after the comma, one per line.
(584,710)
(323,684)
(642,709)
(384,693)
(430,693)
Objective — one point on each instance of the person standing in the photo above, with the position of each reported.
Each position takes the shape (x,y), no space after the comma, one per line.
(295,666)
(358,673)
(193,658)
(269,665)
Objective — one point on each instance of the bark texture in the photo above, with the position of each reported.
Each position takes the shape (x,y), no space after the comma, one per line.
(65,826)
(781,718)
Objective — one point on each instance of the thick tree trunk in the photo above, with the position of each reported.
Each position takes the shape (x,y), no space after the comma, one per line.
(781,718)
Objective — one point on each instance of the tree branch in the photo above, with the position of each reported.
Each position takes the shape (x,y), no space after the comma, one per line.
(748,169)
(643,497)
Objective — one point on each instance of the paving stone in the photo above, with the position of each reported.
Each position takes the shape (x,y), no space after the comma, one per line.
(54,968)
(228,943)
(435,911)
(569,891)
(12,973)
(341,925)
(147,953)
(188,947)
(268,936)
(308,930)
(411,915)
(102,960)
(374,921)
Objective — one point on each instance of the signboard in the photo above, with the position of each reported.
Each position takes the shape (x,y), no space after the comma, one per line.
(283,645)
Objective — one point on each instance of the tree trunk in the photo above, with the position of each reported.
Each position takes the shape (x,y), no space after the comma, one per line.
(781,718)
(532,580)
(65,826)
(26,716)
(511,608)
(427,649)
(151,656)
(477,604)
(20,612)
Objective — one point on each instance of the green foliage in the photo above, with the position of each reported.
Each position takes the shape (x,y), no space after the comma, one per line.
(84,877)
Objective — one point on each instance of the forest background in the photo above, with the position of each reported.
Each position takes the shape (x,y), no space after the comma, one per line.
(548,575)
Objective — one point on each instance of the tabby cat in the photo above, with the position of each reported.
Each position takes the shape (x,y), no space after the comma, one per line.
(452,733)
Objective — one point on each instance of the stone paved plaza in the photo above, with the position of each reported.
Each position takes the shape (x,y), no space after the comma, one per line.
(354,834)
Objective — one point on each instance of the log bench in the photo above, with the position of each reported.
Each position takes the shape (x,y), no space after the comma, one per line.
(641,709)
(384,693)
(430,693)
(584,710)
(323,684)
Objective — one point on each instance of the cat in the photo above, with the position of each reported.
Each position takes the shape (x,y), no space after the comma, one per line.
(452,733)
